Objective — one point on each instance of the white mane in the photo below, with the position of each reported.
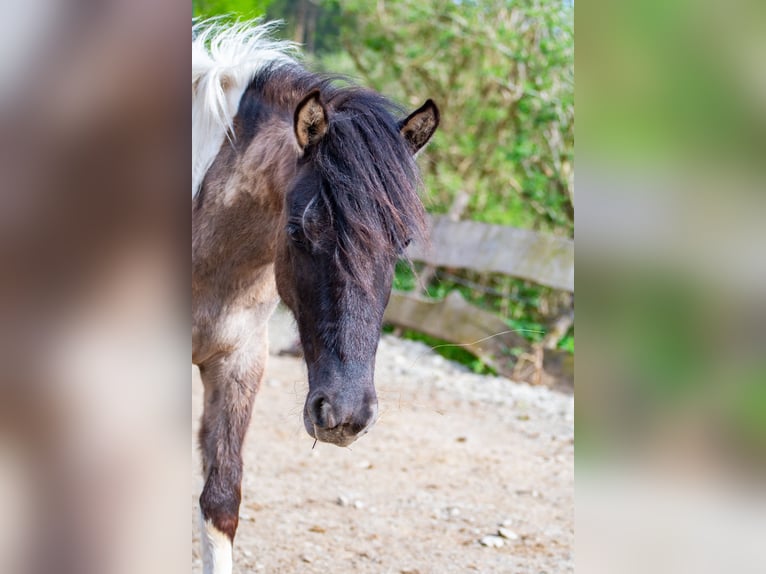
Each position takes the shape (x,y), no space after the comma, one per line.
(225,58)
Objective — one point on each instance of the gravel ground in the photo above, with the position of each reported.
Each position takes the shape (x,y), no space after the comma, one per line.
(462,473)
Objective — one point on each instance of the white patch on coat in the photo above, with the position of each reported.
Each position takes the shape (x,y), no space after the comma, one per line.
(216,549)
(225,58)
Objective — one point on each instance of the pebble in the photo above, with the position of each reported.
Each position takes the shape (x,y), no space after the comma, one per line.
(342,501)
(507,533)
(491,541)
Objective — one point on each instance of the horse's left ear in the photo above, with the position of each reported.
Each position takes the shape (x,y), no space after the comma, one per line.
(420,125)
(310,120)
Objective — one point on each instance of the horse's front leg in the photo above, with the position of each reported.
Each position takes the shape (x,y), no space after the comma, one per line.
(231,383)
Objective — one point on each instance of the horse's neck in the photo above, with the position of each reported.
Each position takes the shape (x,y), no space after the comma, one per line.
(238,215)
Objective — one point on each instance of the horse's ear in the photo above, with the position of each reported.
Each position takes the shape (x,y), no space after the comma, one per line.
(310,121)
(420,125)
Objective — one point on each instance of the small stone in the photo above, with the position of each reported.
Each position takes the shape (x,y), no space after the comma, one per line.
(306,558)
(317,529)
(491,541)
(507,533)
(358,504)
(342,501)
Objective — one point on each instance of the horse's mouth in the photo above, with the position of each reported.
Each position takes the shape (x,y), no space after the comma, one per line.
(341,435)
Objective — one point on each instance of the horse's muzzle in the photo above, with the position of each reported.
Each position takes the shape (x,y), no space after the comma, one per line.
(338,421)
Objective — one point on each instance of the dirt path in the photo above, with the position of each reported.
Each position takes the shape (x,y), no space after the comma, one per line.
(453,457)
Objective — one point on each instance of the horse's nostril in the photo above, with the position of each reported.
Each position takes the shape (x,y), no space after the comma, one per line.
(321,413)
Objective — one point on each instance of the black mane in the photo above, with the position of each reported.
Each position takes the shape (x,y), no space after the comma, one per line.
(369,179)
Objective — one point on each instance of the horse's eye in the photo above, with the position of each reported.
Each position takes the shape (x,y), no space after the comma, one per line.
(295,234)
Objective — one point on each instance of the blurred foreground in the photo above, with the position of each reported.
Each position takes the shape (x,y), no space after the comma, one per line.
(94,403)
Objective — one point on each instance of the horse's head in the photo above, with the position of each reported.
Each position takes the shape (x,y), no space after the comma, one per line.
(349,213)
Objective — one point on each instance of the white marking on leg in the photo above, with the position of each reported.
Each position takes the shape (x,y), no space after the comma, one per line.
(216,549)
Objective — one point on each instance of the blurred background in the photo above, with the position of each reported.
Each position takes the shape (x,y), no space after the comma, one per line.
(671,275)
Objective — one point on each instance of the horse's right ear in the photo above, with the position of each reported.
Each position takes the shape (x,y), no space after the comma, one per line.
(420,125)
(310,121)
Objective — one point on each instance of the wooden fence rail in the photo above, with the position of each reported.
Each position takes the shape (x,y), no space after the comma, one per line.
(543,259)
(454,319)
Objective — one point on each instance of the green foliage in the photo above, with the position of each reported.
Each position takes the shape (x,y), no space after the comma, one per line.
(567,343)
(313,23)
(744,413)
(502,74)
(242,9)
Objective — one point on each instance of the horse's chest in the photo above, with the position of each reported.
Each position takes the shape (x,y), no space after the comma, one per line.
(228,312)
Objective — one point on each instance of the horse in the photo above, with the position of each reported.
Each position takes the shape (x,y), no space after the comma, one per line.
(304,189)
